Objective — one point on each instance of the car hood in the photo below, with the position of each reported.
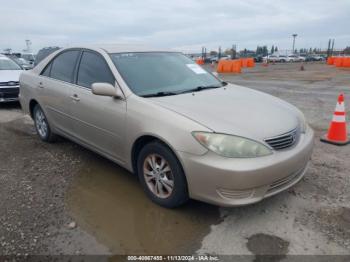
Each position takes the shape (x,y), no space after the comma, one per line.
(10,75)
(235,110)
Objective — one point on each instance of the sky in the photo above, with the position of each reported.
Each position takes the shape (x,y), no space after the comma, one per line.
(184,25)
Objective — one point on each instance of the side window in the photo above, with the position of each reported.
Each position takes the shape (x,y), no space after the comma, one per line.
(63,66)
(93,69)
(47,70)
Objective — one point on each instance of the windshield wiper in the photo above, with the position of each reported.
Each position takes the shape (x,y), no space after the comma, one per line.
(160,94)
(200,88)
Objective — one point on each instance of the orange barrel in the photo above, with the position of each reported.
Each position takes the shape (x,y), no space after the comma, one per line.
(224,66)
(200,61)
(330,60)
(251,62)
(229,66)
(346,62)
(236,66)
(339,61)
(244,62)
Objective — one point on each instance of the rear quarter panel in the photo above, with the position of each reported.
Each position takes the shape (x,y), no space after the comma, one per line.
(27,81)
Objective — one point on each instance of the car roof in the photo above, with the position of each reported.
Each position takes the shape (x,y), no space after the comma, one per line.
(124,48)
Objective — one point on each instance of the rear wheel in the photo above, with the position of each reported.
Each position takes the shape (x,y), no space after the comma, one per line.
(42,126)
(161,175)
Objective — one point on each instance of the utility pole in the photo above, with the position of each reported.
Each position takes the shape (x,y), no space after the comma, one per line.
(234,52)
(329,48)
(294,36)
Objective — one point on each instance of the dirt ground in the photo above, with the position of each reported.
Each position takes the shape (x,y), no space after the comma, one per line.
(63,199)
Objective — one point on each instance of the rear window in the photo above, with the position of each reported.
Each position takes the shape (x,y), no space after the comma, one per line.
(63,66)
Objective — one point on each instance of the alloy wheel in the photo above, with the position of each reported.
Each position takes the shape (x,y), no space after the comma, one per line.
(40,123)
(158,175)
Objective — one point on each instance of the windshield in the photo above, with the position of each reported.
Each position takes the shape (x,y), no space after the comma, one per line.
(161,72)
(8,64)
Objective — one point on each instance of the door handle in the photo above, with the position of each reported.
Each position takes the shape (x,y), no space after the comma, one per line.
(75,97)
(40,85)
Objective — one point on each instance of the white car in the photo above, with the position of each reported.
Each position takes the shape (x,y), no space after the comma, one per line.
(284,58)
(9,79)
(296,58)
(272,58)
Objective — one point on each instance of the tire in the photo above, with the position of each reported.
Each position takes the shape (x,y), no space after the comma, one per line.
(172,185)
(42,125)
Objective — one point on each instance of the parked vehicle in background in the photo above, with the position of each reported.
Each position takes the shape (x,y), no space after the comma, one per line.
(284,59)
(9,79)
(258,58)
(318,58)
(296,58)
(312,58)
(163,117)
(43,53)
(214,59)
(22,62)
(272,58)
(225,58)
(30,57)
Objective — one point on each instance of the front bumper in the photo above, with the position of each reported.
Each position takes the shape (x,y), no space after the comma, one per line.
(9,94)
(233,182)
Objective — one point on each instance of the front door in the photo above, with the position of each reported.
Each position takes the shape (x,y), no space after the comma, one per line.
(99,121)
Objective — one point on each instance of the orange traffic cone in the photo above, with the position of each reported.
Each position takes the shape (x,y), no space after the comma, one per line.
(337,134)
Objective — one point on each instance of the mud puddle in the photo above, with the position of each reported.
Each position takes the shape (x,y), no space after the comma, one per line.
(267,247)
(108,202)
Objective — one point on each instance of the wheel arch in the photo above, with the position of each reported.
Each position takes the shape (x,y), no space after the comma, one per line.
(32,105)
(145,139)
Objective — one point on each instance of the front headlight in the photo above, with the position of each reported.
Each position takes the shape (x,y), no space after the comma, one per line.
(303,123)
(231,146)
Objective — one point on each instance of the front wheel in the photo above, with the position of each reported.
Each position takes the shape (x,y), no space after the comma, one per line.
(161,175)
(42,126)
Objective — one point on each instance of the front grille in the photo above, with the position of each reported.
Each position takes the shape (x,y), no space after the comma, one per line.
(9,92)
(284,141)
(9,83)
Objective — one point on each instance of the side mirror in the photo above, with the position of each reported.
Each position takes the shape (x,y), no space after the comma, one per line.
(106,89)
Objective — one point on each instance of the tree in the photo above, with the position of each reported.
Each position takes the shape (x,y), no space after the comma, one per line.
(347,50)
(258,50)
(272,49)
(276,49)
(265,52)
(213,53)
(230,52)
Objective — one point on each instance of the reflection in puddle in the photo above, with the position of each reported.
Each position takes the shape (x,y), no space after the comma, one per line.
(109,203)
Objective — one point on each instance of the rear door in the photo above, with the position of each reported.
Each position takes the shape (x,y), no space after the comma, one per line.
(53,89)
(99,120)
